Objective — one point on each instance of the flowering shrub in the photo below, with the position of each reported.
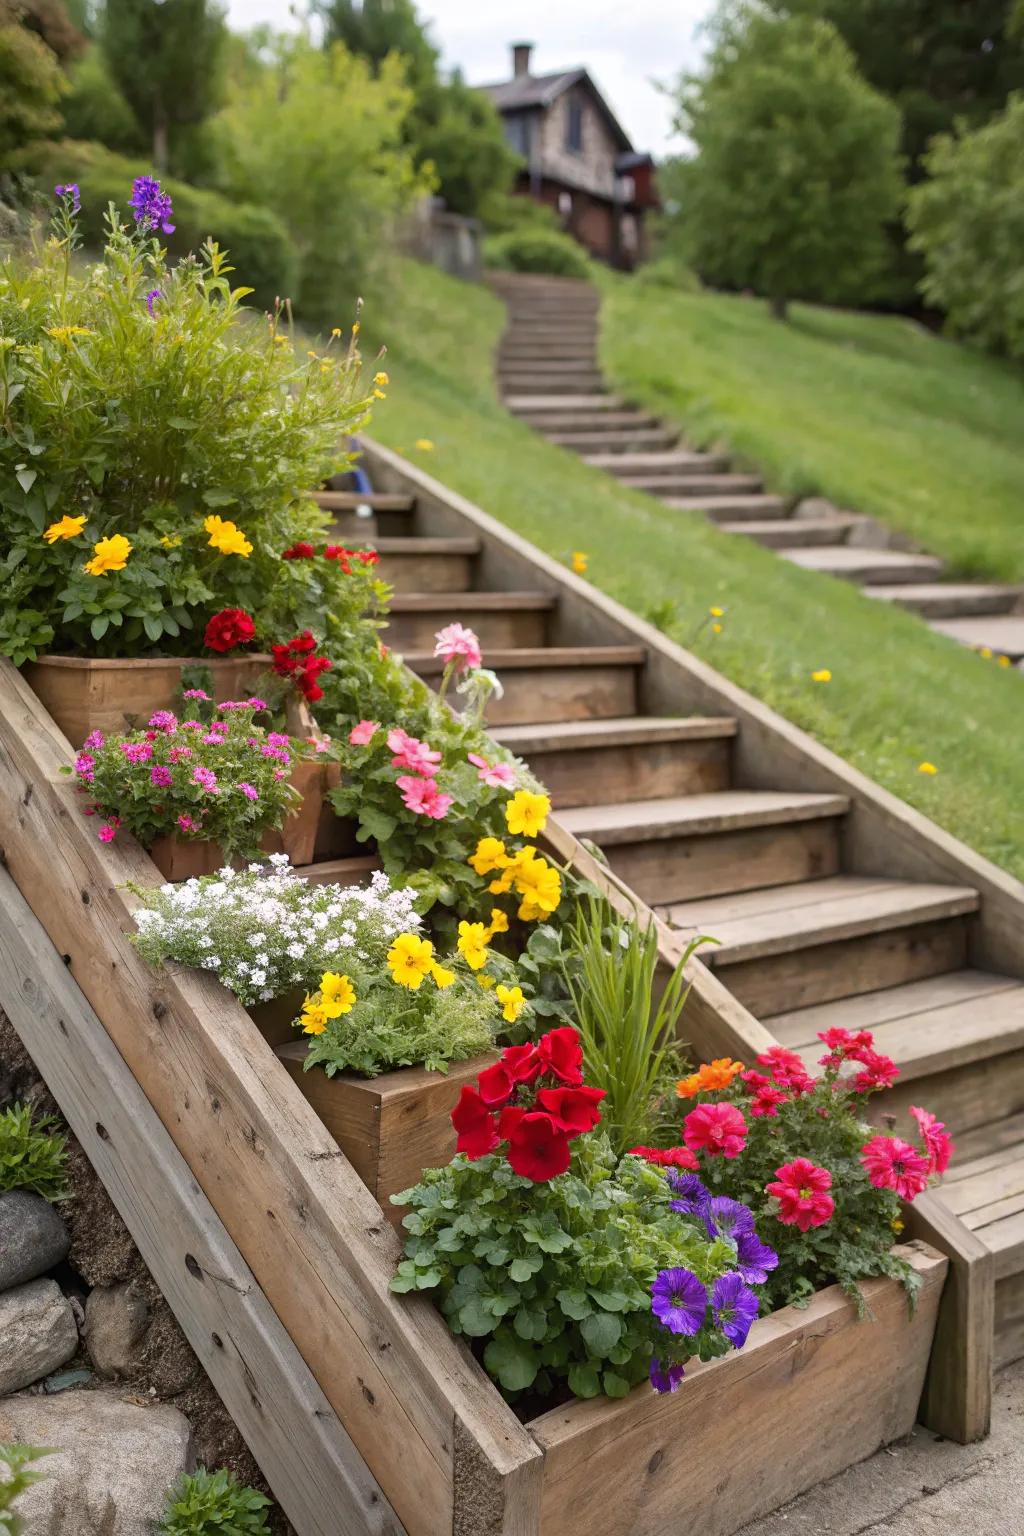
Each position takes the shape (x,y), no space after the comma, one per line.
(591,1276)
(225,781)
(266,931)
(825,1186)
(156,448)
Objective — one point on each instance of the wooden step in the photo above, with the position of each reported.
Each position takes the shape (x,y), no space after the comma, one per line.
(986,1190)
(520,382)
(501,620)
(791,532)
(679,461)
(1001,633)
(615,441)
(380,501)
(699,483)
(546,367)
(876,566)
(730,509)
(557,683)
(821,940)
(544,349)
(950,599)
(427,565)
(699,467)
(583,420)
(525,404)
(597,762)
(391,514)
(689,846)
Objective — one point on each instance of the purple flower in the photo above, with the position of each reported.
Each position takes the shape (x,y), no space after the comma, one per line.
(679,1301)
(137,751)
(695,1198)
(753,1258)
(161,776)
(734,1307)
(163,720)
(665,1378)
(152,208)
(84,764)
(205,778)
(70,189)
(278,739)
(726,1218)
(151,298)
(249,792)
(94,741)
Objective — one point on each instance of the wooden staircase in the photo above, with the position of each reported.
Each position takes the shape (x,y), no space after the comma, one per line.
(804,940)
(552,334)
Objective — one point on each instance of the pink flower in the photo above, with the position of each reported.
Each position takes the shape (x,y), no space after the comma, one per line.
(186,823)
(424,798)
(256,705)
(363,733)
(891,1163)
(84,764)
(279,774)
(801,1188)
(879,1071)
(278,739)
(107,833)
(176,754)
(766,1101)
(195,693)
(937,1140)
(161,776)
(249,792)
(164,720)
(137,751)
(497,775)
(717,1129)
(411,754)
(787,1069)
(455,643)
(94,741)
(193,725)
(206,779)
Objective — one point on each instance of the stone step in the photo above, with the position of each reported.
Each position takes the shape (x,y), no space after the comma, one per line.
(1001,633)
(501,620)
(731,509)
(612,441)
(793,532)
(523,405)
(579,418)
(600,762)
(821,940)
(950,599)
(427,565)
(708,845)
(874,566)
(557,683)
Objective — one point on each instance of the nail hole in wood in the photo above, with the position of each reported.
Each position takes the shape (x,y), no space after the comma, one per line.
(217,1340)
(86,899)
(193,1266)
(102,1132)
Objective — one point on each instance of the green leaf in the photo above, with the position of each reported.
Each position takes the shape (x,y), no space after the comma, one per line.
(614,1384)
(153,627)
(575,1304)
(475,1318)
(601,1332)
(182,424)
(584,1380)
(99,626)
(26,478)
(511,1361)
(521,1270)
(377,824)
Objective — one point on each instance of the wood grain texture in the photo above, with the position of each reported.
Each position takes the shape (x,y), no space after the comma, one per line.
(314,1470)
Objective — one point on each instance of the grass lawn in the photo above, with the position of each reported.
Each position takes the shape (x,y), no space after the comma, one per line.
(872,411)
(899,693)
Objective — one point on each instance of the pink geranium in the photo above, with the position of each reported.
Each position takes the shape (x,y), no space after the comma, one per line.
(892,1163)
(362,734)
(801,1189)
(937,1140)
(415,756)
(497,775)
(459,645)
(717,1129)
(423,797)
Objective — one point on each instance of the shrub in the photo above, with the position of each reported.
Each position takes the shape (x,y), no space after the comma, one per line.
(214,1504)
(16,1459)
(31,83)
(33,1154)
(536,250)
(668,272)
(96,111)
(967,220)
(506,213)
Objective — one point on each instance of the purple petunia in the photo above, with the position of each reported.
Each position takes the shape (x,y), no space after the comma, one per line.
(694,1198)
(679,1301)
(727,1218)
(753,1258)
(665,1378)
(734,1307)
(70,189)
(161,776)
(151,298)
(151,207)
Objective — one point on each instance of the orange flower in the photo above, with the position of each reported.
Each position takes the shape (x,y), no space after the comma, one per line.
(711,1076)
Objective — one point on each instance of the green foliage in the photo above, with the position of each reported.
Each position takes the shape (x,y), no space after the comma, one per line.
(214,1504)
(668,272)
(373,29)
(16,1459)
(458,132)
(551,1281)
(95,109)
(318,138)
(165,56)
(32,1154)
(536,250)
(506,213)
(967,220)
(795,172)
(31,84)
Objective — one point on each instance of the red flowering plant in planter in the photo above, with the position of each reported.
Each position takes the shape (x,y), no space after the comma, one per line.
(825,1186)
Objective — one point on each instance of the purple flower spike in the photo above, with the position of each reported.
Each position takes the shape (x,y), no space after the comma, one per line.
(151,207)
(665,1378)
(153,295)
(70,189)
(734,1307)
(727,1218)
(679,1301)
(753,1258)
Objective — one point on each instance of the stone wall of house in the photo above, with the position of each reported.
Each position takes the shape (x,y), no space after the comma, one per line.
(593,168)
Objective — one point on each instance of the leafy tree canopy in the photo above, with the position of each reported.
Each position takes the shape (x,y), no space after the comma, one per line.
(165,56)
(31,83)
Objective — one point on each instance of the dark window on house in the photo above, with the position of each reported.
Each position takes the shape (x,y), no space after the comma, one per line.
(574,126)
(517,134)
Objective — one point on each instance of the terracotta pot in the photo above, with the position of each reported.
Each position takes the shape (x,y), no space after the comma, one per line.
(84,694)
(182,858)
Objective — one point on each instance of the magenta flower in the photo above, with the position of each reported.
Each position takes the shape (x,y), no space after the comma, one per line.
(363,733)
(84,765)
(161,776)
(497,775)
(249,792)
(256,705)
(455,643)
(206,779)
(164,720)
(107,832)
(193,725)
(195,693)
(278,739)
(186,823)
(94,741)
(423,797)
(276,752)
(137,751)
(177,754)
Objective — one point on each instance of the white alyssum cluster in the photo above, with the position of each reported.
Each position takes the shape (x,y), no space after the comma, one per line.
(265,931)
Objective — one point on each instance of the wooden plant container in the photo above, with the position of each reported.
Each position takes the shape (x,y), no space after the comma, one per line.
(389,1127)
(84,694)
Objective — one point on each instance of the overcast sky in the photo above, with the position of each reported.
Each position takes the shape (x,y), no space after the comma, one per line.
(625,46)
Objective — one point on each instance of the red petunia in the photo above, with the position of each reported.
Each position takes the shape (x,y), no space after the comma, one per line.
(475,1124)
(717,1129)
(573,1110)
(368,557)
(560,1053)
(537,1149)
(891,1163)
(937,1140)
(299,551)
(495,1085)
(668,1157)
(801,1188)
(522,1063)
(230,627)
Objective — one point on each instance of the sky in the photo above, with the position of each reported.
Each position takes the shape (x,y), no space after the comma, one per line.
(627,48)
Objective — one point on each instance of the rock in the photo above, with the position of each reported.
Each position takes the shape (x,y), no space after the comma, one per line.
(37,1333)
(67,1381)
(33,1238)
(112,1466)
(116,1319)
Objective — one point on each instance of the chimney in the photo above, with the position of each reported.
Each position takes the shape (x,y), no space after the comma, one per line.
(521,59)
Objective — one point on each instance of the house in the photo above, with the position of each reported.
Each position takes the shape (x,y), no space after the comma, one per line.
(578,158)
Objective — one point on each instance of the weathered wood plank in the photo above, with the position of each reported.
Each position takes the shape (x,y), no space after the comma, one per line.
(310,1462)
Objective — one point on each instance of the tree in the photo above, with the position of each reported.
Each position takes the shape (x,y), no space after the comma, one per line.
(796,167)
(165,57)
(31,84)
(967,220)
(375,28)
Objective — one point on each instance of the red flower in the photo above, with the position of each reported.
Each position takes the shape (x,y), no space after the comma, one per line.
(341,554)
(560,1053)
(300,551)
(522,1063)
(573,1110)
(668,1157)
(766,1101)
(230,627)
(786,1068)
(537,1149)
(937,1140)
(368,557)
(801,1190)
(717,1129)
(475,1125)
(495,1085)
(879,1071)
(891,1163)
(306,680)
(509,1119)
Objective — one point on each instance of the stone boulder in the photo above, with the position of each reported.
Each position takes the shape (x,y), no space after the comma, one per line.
(33,1238)
(116,1320)
(38,1333)
(112,1466)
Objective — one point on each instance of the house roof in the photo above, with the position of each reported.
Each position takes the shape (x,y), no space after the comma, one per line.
(523,92)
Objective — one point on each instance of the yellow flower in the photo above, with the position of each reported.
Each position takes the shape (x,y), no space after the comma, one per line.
(513,868)
(821,676)
(490,854)
(716,613)
(226,539)
(337,991)
(512,1002)
(473,945)
(65,332)
(379,394)
(716,629)
(280,341)
(527,813)
(170,540)
(1002,661)
(109,555)
(897,1225)
(381,380)
(442,976)
(336,332)
(356,328)
(986,651)
(314,1018)
(927,768)
(579,562)
(485,981)
(410,958)
(67,528)
(540,886)
(498,923)
(424,445)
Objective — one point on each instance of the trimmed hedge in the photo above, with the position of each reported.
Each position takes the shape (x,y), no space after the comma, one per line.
(536,250)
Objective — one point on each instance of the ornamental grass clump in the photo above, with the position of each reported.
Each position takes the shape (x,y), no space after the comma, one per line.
(570,1271)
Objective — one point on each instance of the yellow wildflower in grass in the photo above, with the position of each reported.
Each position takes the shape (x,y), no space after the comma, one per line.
(109,555)
(927,768)
(442,975)
(709,1077)
(472,944)
(985,651)
(170,540)
(897,1225)
(1003,661)
(337,992)
(67,528)
(425,445)
(490,855)
(410,958)
(381,380)
(823,675)
(716,629)
(580,562)
(226,538)
(512,1002)
(717,613)
(336,332)
(379,394)
(314,1018)
(526,814)
(65,332)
